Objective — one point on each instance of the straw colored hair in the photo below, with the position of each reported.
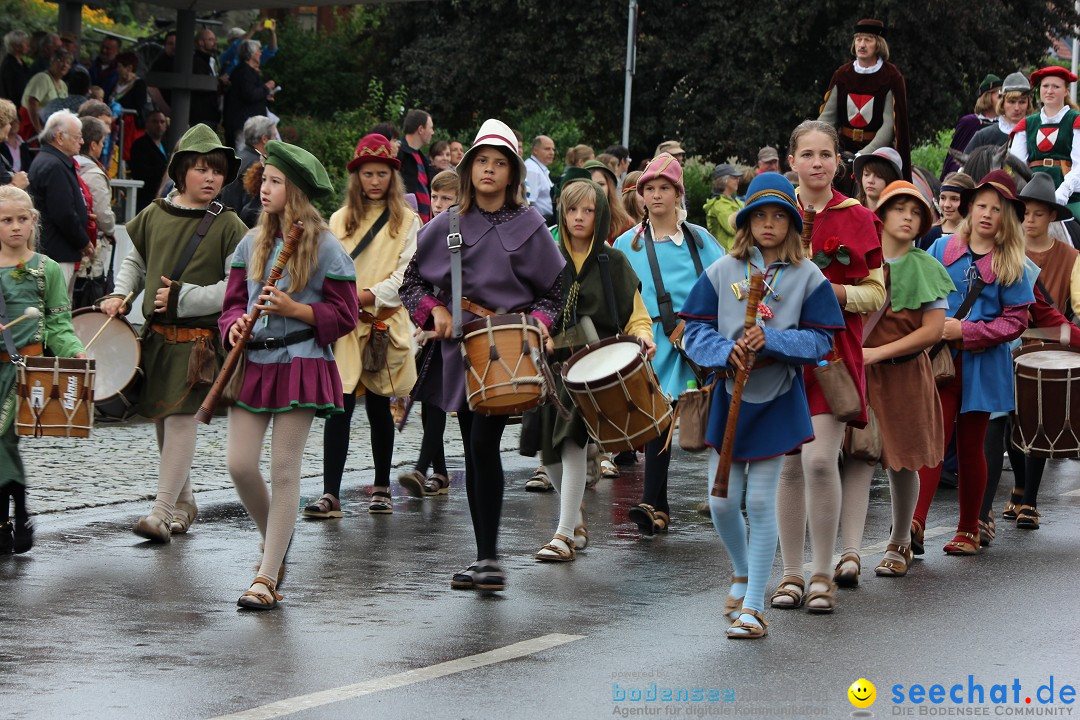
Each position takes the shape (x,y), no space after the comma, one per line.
(9,194)
(790,251)
(356,203)
(305,257)
(1008,253)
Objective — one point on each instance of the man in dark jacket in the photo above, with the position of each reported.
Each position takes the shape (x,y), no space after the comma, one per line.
(54,185)
(149,159)
(258,130)
(204,103)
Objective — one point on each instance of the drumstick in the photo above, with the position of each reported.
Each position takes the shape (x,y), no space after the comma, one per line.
(30,312)
(128,299)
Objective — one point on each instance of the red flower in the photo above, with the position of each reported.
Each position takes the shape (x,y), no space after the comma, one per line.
(832,244)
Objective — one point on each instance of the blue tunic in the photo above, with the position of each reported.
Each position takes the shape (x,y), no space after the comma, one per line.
(677,269)
(774,417)
(987,373)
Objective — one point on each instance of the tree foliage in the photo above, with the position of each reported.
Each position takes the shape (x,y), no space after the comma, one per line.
(723,77)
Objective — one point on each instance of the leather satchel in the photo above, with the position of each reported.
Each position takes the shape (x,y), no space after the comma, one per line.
(839,390)
(693,411)
(864,443)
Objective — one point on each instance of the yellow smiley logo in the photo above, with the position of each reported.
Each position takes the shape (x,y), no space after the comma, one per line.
(862,693)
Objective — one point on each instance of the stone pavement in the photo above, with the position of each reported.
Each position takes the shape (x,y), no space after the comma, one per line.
(119,462)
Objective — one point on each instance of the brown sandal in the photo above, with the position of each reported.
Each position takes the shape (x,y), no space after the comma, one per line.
(644,516)
(259,600)
(560,554)
(895,568)
(828,595)
(437,484)
(183,517)
(789,592)
(1027,518)
(327,506)
(963,543)
(753,632)
(846,579)
(660,524)
(732,605)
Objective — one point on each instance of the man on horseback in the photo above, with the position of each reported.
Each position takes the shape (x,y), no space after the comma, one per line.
(867,99)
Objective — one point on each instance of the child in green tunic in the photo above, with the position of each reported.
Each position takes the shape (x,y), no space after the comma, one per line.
(28,280)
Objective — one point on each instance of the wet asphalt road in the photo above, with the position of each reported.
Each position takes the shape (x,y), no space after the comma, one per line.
(96,623)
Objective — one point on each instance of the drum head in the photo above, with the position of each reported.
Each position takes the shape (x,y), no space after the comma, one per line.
(1049,360)
(116,350)
(599,362)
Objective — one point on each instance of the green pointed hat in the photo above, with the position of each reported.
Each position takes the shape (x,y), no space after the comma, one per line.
(200,139)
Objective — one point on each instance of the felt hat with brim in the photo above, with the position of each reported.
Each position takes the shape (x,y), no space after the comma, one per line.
(301,167)
(1016,82)
(595,164)
(200,140)
(1000,182)
(373,148)
(672,147)
(663,166)
(767,154)
(988,83)
(886,154)
(902,188)
(770,188)
(1052,71)
(497,134)
(1041,188)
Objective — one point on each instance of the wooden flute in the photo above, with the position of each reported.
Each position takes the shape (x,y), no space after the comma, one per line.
(206,410)
(720,481)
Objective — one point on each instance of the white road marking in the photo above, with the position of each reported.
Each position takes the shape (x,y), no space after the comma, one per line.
(881,547)
(409,677)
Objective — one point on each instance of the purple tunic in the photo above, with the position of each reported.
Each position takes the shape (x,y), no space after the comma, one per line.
(511,266)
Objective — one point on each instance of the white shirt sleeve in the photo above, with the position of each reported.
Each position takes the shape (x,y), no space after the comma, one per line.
(387,292)
(1018,146)
(1071,183)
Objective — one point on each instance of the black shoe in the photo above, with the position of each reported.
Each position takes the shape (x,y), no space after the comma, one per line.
(489,576)
(626,458)
(23,538)
(949,480)
(5,538)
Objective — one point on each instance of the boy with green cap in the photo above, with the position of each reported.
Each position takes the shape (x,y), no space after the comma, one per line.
(182,248)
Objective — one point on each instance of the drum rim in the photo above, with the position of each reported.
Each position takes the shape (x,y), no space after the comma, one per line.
(611,377)
(500,320)
(1018,367)
(134,376)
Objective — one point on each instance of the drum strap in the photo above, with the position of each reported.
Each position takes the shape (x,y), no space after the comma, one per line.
(212,211)
(9,342)
(962,311)
(453,244)
(663,297)
(1067,312)
(380,223)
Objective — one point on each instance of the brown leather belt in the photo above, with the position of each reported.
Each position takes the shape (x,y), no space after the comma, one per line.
(383,315)
(174,334)
(469,306)
(759,362)
(1064,165)
(26,351)
(858,134)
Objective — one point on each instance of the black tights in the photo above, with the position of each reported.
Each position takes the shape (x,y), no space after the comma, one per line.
(336,441)
(1027,470)
(432,449)
(17,492)
(481,436)
(656,474)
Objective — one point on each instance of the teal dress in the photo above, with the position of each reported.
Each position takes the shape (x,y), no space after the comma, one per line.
(38,283)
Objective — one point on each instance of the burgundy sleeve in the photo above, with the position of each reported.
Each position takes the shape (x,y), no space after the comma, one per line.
(336,315)
(981,334)
(417,295)
(235,304)
(547,307)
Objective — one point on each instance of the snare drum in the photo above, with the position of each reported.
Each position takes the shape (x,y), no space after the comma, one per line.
(1047,394)
(118,354)
(501,353)
(55,397)
(616,391)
